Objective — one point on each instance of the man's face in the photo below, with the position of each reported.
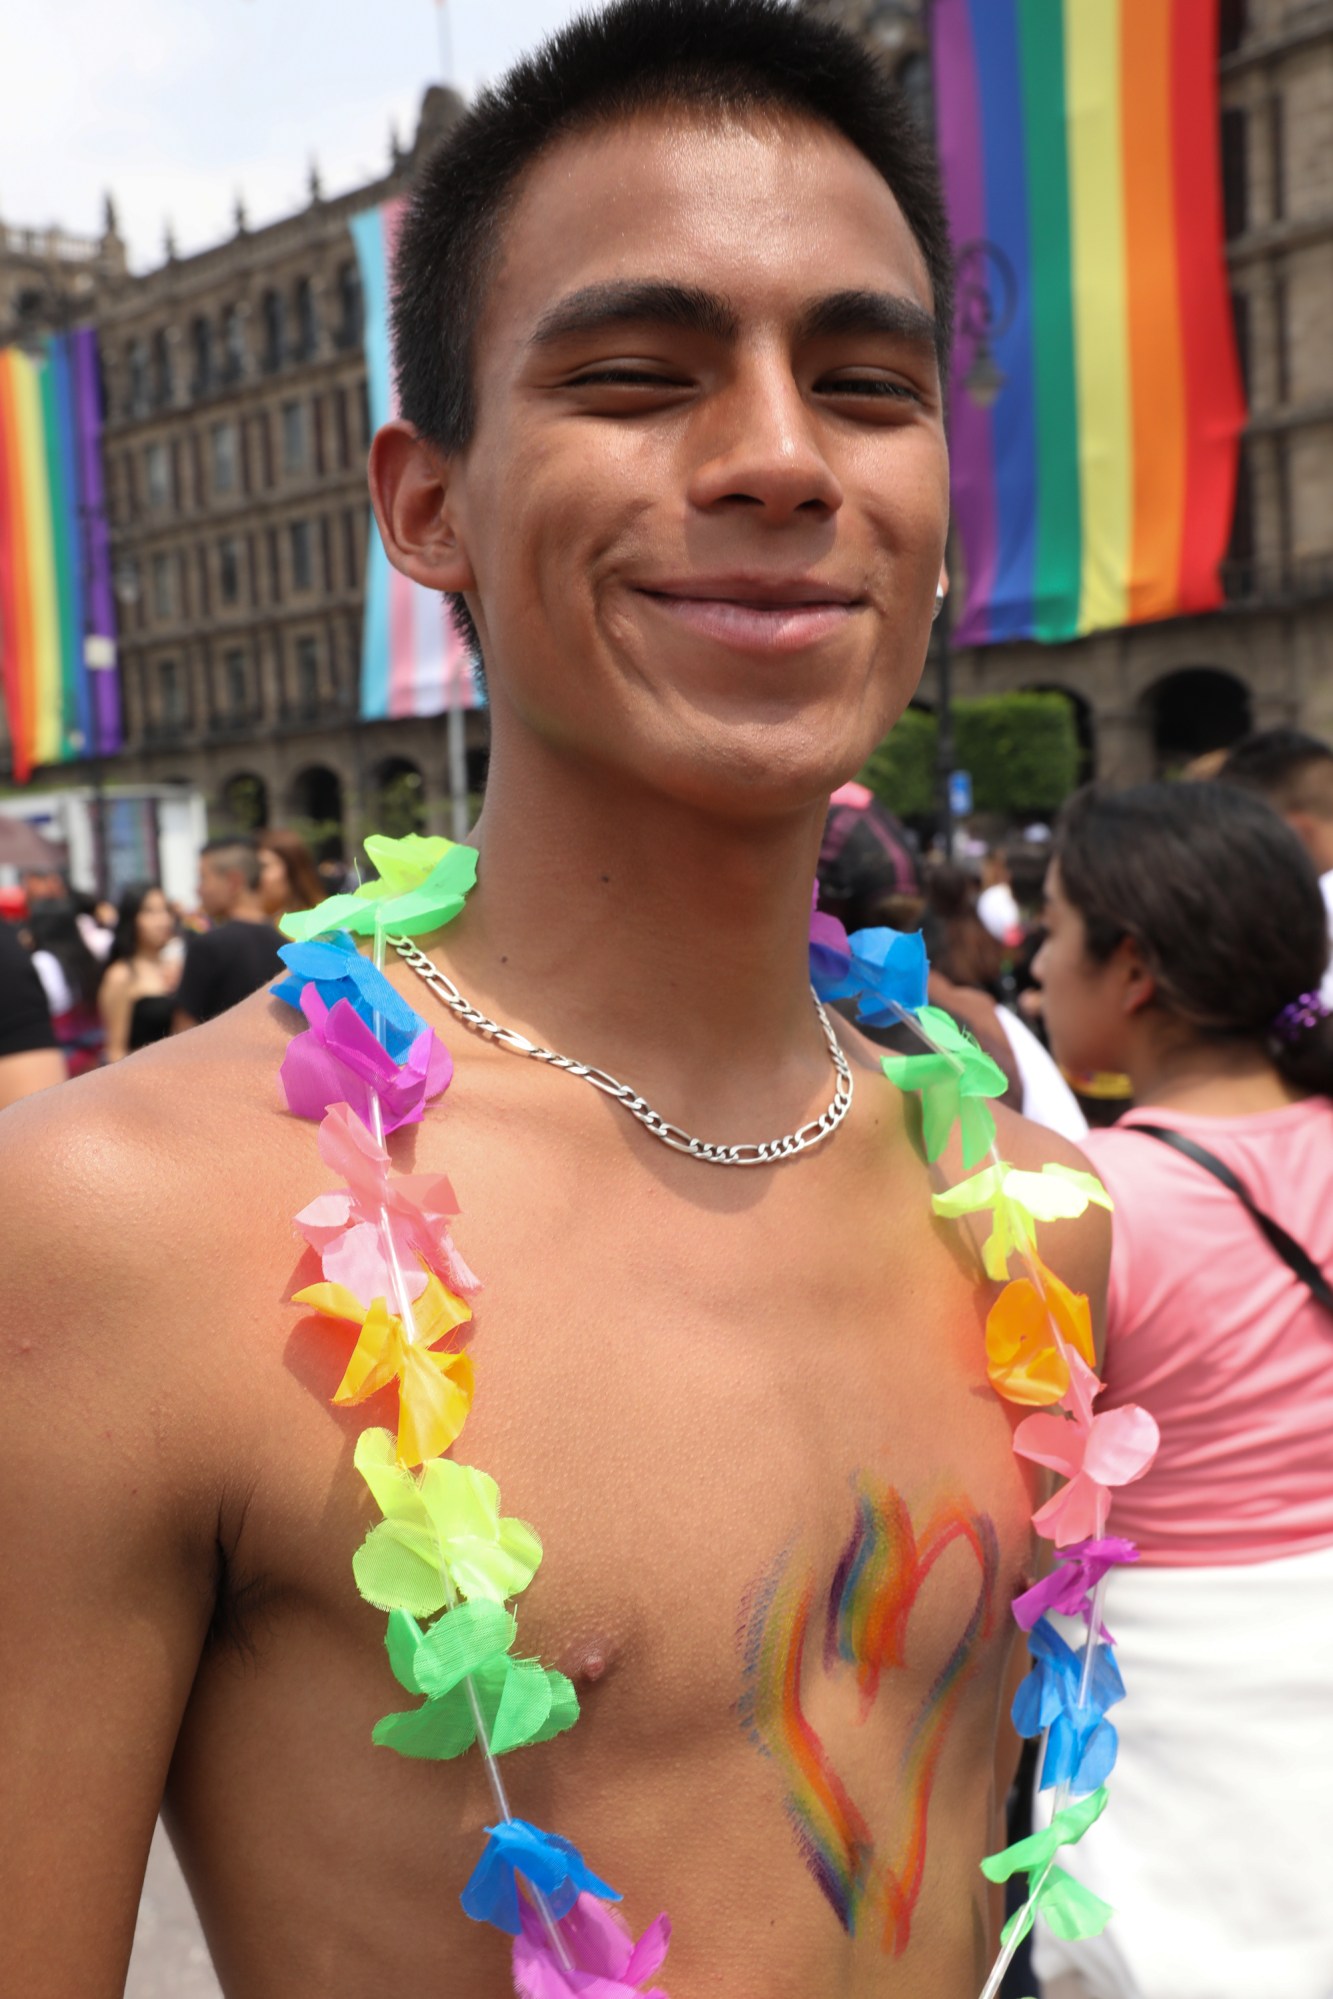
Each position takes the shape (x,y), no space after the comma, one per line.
(218,888)
(704,509)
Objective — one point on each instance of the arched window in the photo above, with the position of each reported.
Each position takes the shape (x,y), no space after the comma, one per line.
(307,321)
(1194,710)
(201,347)
(275,332)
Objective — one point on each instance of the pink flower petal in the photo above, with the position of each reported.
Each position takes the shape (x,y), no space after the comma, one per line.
(1122,1445)
(1077,1512)
(1051,1440)
(357,1260)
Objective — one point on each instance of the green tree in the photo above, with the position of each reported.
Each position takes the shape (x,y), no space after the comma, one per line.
(901,772)
(1021,750)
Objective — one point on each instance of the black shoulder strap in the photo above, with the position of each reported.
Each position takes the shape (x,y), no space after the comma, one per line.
(1286,1246)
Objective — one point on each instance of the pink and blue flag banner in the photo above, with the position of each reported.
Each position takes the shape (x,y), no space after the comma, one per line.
(57,612)
(413,659)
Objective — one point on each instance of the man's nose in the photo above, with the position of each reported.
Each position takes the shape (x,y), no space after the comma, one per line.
(762,449)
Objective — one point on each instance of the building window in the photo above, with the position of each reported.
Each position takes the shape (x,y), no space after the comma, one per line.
(275,332)
(171,692)
(138,384)
(307,321)
(1231,26)
(1277,156)
(238,688)
(229,569)
(164,588)
(157,473)
(274,569)
(302,573)
(201,346)
(224,457)
(205,600)
(340,428)
(1281,338)
(164,386)
(293,437)
(353,528)
(1235,179)
(1240,318)
(233,344)
(349,306)
(307,676)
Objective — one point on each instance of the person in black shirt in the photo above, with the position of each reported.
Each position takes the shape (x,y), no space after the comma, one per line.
(240,953)
(30,1058)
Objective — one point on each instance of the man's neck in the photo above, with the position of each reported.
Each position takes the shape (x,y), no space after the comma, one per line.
(248,910)
(629,931)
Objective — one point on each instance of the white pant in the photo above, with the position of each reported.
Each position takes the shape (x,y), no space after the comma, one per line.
(1216,1849)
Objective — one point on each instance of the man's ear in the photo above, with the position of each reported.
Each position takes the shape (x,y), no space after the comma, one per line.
(410,491)
(1138,984)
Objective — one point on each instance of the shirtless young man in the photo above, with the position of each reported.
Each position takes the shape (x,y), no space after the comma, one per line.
(693,488)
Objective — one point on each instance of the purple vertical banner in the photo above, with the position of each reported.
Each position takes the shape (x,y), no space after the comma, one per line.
(99,634)
(960,139)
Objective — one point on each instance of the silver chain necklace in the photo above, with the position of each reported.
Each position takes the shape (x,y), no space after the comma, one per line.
(765,1154)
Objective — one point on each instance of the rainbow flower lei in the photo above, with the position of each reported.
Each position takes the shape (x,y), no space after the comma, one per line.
(445,1564)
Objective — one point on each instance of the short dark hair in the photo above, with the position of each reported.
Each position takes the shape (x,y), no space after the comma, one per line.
(1221,898)
(1293,771)
(723,56)
(235,852)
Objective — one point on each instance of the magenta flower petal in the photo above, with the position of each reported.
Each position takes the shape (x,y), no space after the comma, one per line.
(339,1060)
(607,1962)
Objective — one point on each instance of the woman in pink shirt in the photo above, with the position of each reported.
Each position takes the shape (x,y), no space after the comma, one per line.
(1186,945)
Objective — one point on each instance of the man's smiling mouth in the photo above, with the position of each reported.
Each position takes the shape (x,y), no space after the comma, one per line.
(756,613)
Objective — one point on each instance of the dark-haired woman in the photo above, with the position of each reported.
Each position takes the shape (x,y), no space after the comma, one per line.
(138,986)
(288,877)
(69,974)
(1186,947)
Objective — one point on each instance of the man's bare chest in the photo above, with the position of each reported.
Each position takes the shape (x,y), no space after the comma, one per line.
(686,1384)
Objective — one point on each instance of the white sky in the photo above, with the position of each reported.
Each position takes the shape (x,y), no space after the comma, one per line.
(177,106)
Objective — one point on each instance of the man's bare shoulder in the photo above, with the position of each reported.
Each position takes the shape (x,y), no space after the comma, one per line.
(130,1196)
(91,1144)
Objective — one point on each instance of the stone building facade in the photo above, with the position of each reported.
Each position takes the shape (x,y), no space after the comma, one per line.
(49,278)
(235,442)
(1151,696)
(236,438)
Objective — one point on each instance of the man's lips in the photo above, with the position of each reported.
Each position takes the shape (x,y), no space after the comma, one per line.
(757,614)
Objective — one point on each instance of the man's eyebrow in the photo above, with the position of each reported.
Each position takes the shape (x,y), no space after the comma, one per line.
(871,312)
(599,307)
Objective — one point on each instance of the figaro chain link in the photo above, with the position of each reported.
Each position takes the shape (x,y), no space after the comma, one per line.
(766,1153)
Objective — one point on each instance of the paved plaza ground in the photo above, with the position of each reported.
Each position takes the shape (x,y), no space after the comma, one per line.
(170,1959)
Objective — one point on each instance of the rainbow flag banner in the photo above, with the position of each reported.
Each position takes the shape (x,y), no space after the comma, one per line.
(57,613)
(1095,395)
(413,661)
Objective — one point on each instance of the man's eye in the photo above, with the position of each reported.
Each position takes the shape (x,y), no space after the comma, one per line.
(872,386)
(633,378)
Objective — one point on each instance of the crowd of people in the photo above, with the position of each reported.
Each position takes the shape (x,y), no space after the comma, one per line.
(84,981)
(1156,965)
